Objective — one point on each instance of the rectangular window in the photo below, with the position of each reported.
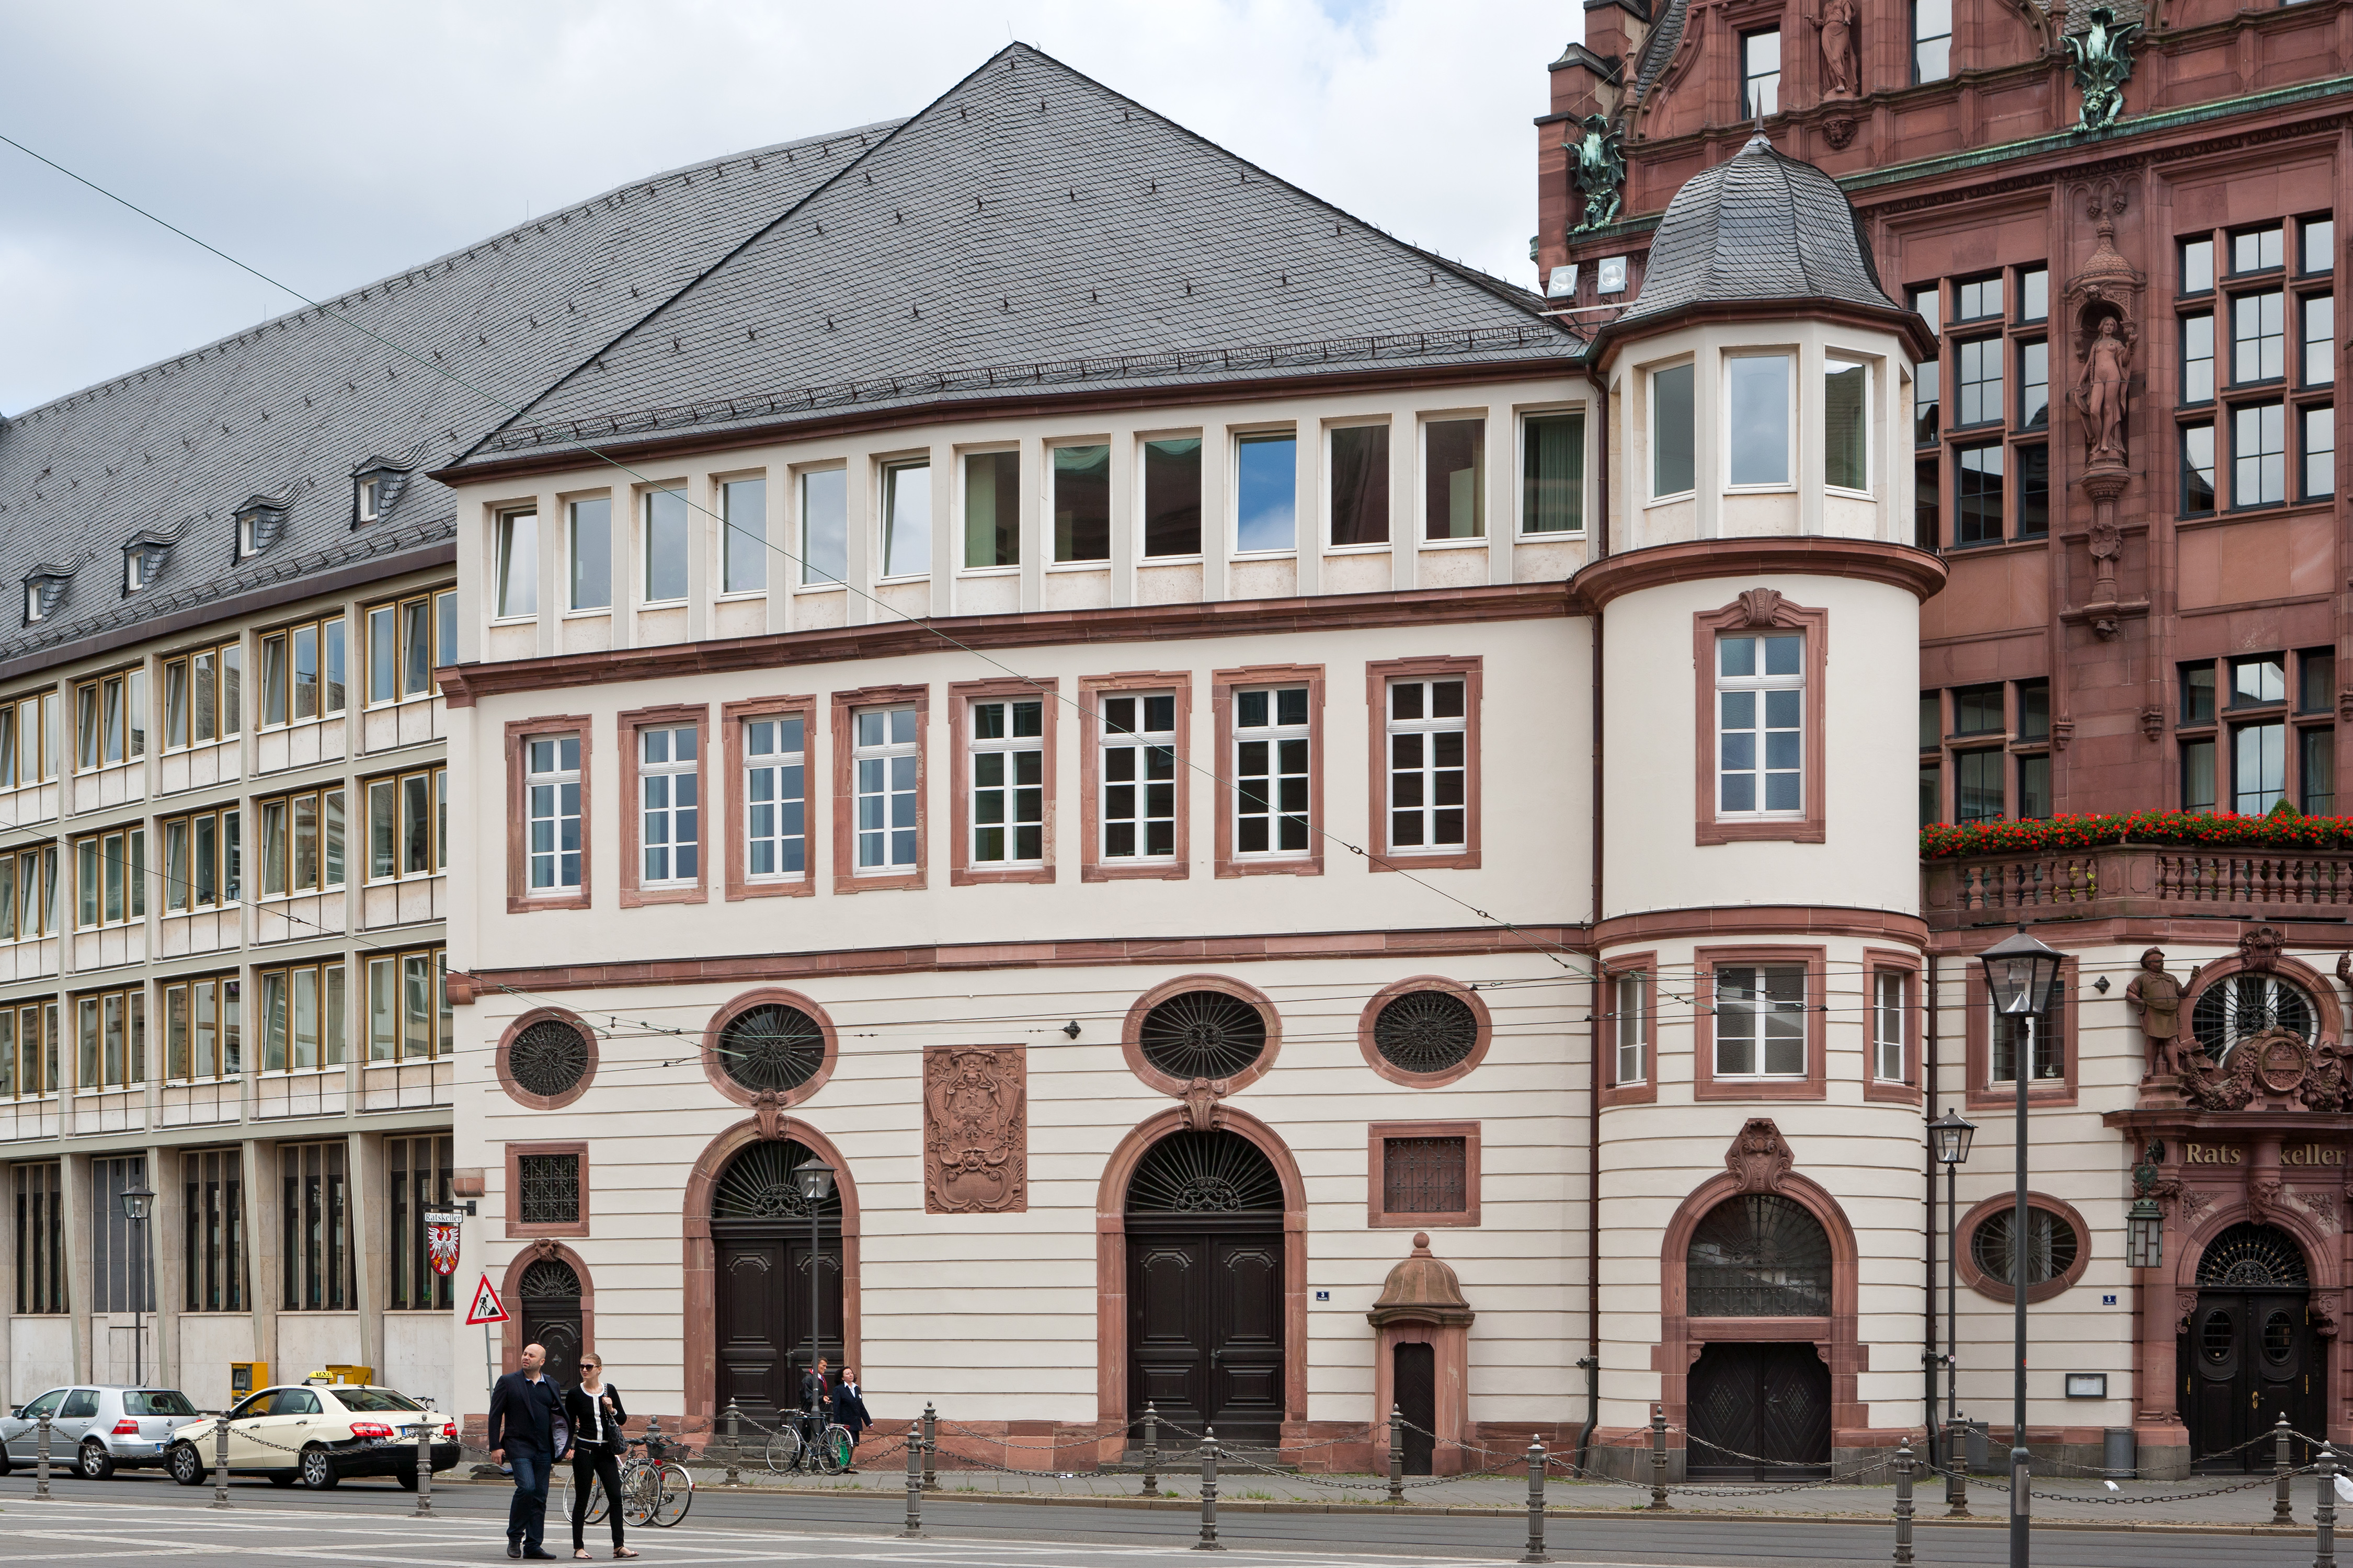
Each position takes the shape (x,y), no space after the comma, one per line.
(2316,680)
(1757,418)
(384,654)
(214,1181)
(2034,710)
(1674,440)
(112,1031)
(315,1244)
(2197,693)
(1454,479)
(1977,786)
(2319,452)
(549,1189)
(1979,380)
(295,687)
(2316,770)
(2258,455)
(28,751)
(886,759)
(2033,492)
(2034,384)
(1932,39)
(1889,1019)
(1846,424)
(40,1239)
(1978,710)
(776,798)
(2033,293)
(590,550)
(1172,497)
(302,844)
(1139,777)
(2197,469)
(401,651)
(408,1006)
(2050,1054)
(2035,787)
(2259,249)
(669,804)
(1760,1020)
(1083,503)
(2197,358)
(111,719)
(1271,762)
(445,634)
(906,519)
(2259,682)
(1760,724)
(2319,339)
(552,801)
(1760,75)
(1927,411)
(2197,266)
(1631,1028)
(1427,745)
(1360,484)
(1927,302)
(992,510)
(1552,486)
(2258,767)
(1932,722)
(666,546)
(405,837)
(1425,1175)
(744,521)
(518,565)
(419,1171)
(1977,299)
(1927,504)
(2258,337)
(203,1027)
(200,861)
(302,1017)
(1977,494)
(1266,492)
(1007,762)
(2319,245)
(111,877)
(825,526)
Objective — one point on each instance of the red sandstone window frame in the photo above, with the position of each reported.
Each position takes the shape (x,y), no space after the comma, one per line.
(1983,1092)
(1761,610)
(517,1229)
(1378,679)
(846,707)
(1622,966)
(1092,689)
(962,695)
(670,716)
(1813,1083)
(1965,1249)
(519,732)
(1878,962)
(1377,1136)
(1224,683)
(733,717)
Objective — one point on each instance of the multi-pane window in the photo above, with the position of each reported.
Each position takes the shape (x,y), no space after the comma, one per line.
(2319,452)
(549,1189)
(552,805)
(1978,710)
(1454,479)
(2258,337)
(28,894)
(1271,746)
(775,797)
(992,510)
(906,519)
(1889,1022)
(408,825)
(1977,299)
(28,748)
(886,762)
(518,567)
(1761,695)
(2258,767)
(588,552)
(1172,497)
(204,695)
(2197,468)
(216,1253)
(2259,249)
(1977,493)
(1977,785)
(203,861)
(403,645)
(302,672)
(1760,1020)
(2049,1054)
(1082,478)
(1979,380)
(110,720)
(418,1170)
(40,1239)
(315,1245)
(1425,1175)
(1760,75)
(1632,1027)
(2198,357)
(122,1274)
(1926,301)
(204,1029)
(1008,781)
(825,525)
(302,1016)
(1139,777)
(1427,763)
(301,837)
(111,878)
(663,565)
(111,1032)
(1552,481)
(669,802)
(744,528)
(2258,455)
(1932,39)
(1360,484)
(408,1006)
(2034,384)
(2266,748)
(2319,367)
(29,1049)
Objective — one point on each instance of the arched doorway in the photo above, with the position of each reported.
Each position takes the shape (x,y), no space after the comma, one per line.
(549,1299)
(1757,1271)
(763,1265)
(2250,1354)
(1205,1285)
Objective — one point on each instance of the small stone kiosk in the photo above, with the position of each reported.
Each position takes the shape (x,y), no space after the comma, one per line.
(1422,1359)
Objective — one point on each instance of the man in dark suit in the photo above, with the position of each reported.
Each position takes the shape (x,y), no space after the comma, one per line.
(527,1432)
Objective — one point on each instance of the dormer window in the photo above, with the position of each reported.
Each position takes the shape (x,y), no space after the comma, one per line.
(377,485)
(133,575)
(259,522)
(370,489)
(248,535)
(45,590)
(33,610)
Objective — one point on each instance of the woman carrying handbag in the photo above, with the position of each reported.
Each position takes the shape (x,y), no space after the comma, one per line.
(597,1415)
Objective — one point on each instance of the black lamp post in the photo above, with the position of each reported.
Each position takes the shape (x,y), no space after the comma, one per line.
(1948,1139)
(136,1202)
(2020,974)
(814,1177)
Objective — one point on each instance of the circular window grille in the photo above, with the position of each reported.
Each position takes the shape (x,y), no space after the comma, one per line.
(771,1046)
(549,1058)
(2238,1005)
(1202,1034)
(2052,1245)
(549,1276)
(758,1185)
(1204,1173)
(1426,1031)
(2254,1257)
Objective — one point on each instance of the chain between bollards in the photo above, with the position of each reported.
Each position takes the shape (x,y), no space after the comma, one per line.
(914,1530)
(41,1475)
(1209,1542)
(734,1444)
(1903,1504)
(1536,1553)
(220,1460)
(424,1470)
(2324,1515)
(1658,1458)
(1957,1478)
(2283,1511)
(1151,1450)
(931,1447)
(1397,1455)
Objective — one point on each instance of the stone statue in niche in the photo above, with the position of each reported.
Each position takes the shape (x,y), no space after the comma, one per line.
(1841,59)
(2103,391)
(2157,997)
(1599,171)
(976,1129)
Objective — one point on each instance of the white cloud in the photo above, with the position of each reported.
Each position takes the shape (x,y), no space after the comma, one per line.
(330,144)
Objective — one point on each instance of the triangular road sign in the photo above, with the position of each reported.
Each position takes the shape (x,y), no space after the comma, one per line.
(487,1307)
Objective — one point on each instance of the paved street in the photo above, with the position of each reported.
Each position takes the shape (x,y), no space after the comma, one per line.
(147,1522)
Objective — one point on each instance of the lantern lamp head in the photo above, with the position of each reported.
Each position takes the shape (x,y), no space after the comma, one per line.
(815,1179)
(2144,1236)
(136,1201)
(2021,974)
(1949,1136)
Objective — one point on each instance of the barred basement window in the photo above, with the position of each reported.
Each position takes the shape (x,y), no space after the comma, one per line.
(771,1047)
(549,1058)
(1424,1175)
(550,1187)
(1202,1034)
(1426,1032)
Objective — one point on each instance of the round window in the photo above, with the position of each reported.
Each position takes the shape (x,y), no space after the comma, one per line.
(771,1046)
(1202,1034)
(2238,1005)
(549,1058)
(2216,1336)
(1426,1031)
(2052,1246)
(2279,1338)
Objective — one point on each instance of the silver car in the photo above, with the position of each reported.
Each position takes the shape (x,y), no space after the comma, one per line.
(95,1430)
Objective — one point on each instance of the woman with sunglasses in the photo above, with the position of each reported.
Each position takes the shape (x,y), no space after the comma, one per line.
(596,1413)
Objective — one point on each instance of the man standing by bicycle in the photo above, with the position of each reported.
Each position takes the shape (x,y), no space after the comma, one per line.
(816,1404)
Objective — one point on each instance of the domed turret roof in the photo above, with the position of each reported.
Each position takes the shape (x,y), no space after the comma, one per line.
(1757,227)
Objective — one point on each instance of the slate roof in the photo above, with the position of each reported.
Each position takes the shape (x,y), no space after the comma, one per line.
(289,410)
(1659,46)
(1758,226)
(1030,228)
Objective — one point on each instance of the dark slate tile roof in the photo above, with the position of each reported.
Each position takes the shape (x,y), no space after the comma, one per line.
(1658,48)
(291,408)
(1758,226)
(1030,228)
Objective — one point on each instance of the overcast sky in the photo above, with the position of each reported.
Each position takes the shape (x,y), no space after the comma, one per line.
(329,144)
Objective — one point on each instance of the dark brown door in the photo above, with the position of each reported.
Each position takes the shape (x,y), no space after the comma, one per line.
(1204,1331)
(551,1317)
(2249,1358)
(1413,1370)
(763,1301)
(1759,1410)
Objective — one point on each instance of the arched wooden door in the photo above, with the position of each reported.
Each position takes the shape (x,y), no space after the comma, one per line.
(1204,1220)
(2251,1355)
(550,1306)
(1760,1401)
(763,1258)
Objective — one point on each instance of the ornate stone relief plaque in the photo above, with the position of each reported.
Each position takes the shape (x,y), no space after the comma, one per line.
(976,1129)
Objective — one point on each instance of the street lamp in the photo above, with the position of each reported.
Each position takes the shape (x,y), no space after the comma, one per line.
(136,1202)
(1948,1139)
(2020,974)
(814,1177)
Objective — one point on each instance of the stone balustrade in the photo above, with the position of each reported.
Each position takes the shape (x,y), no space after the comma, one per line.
(2171,880)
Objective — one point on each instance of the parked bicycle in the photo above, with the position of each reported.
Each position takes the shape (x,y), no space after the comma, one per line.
(655,1489)
(809,1443)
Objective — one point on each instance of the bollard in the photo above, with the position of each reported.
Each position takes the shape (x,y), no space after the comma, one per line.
(1151,1450)
(1957,1470)
(931,1447)
(41,1475)
(1209,1542)
(220,1460)
(914,1530)
(2324,1515)
(1903,1504)
(1659,1456)
(1536,1553)
(734,1444)
(1396,1457)
(2282,1512)
(425,1470)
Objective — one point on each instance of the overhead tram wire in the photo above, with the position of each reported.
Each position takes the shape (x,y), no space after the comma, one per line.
(1566,958)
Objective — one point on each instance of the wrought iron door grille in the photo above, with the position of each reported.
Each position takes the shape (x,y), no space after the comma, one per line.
(549,1058)
(1204,1173)
(758,1185)
(2254,1257)
(549,1278)
(1424,1175)
(1426,1031)
(551,1188)
(1762,1256)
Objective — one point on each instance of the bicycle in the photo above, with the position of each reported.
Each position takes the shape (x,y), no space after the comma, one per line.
(790,1449)
(654,1489)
